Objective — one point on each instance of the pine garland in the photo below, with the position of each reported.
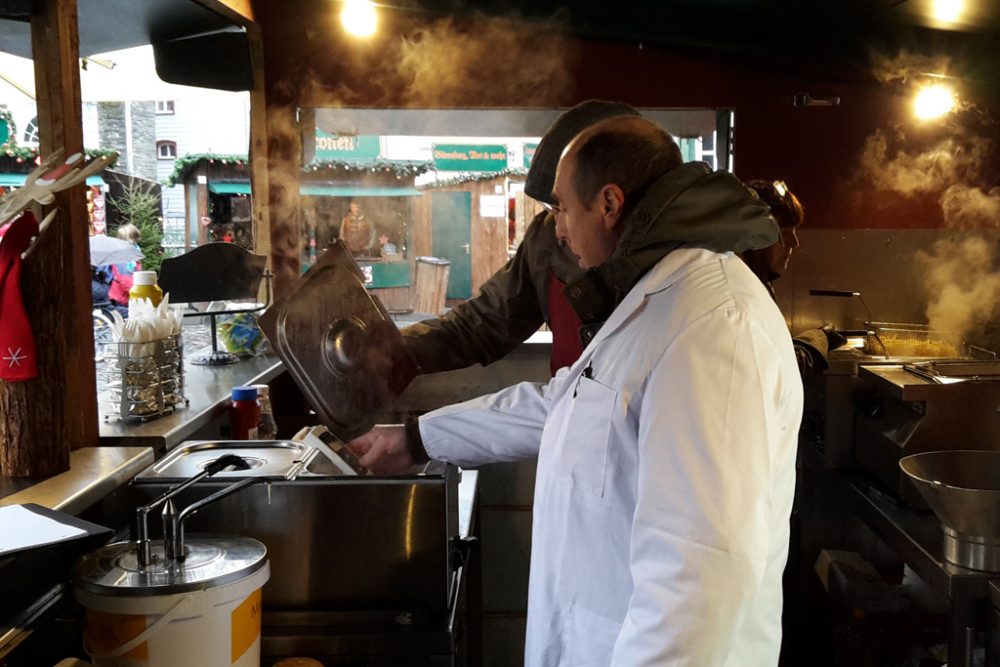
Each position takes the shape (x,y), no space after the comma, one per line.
(399,168)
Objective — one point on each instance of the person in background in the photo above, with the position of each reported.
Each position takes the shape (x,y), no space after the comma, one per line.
(121,274)
(666,452)
(769,263)
(357,232)
(811,346)
(531,289)
(100,285)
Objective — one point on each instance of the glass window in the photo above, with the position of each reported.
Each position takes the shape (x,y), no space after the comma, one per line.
(166,150)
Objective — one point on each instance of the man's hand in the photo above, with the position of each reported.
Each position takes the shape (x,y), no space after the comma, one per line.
(383,451)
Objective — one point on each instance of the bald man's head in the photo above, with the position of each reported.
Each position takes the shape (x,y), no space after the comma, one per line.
(629,151)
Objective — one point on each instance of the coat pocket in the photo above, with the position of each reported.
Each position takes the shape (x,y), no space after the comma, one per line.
(584,448)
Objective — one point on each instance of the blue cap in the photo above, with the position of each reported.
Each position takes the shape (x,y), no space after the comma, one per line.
(244,393)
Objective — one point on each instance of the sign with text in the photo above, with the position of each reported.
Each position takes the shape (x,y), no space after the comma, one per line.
(492,206)
(467,157)
(529,154)
(346,146)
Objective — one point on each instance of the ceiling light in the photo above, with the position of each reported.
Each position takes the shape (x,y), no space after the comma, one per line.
(358,18)
(948,11)
(933,101)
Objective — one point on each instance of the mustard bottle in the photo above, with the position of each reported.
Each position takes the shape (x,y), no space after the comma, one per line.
(144,287)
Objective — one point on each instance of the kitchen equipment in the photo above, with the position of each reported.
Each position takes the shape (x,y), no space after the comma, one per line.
(272,459)
(903,339)
(336,540)
(963,489)
(339,344)
(175,601)
(913,407)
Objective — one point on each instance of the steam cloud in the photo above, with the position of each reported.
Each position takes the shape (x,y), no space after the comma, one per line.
(961,274)
(951,162)
(905,66)
(444,63)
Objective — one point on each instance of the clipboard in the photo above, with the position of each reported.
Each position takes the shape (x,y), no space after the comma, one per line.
(29,526)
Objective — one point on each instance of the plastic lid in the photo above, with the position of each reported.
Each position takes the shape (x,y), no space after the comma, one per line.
(263,390)
(144,278)
(244,393)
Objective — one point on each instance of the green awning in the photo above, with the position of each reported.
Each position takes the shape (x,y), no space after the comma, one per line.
(229,188)
(318,190)
(17,180)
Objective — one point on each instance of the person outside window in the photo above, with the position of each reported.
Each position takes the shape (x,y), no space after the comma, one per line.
(357,232)
(121,274)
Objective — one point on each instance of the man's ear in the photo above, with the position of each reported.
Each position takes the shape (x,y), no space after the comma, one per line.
(612,201)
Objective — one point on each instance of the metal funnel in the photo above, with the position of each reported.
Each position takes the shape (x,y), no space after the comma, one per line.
(963,489)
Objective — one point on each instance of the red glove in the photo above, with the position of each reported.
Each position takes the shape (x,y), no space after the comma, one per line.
(17,345)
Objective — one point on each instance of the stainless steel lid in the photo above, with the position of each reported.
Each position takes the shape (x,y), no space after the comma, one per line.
(265,458)
(212,561)
(339,344)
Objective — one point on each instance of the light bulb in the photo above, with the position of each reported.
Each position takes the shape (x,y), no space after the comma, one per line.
(358,18)
(933,102)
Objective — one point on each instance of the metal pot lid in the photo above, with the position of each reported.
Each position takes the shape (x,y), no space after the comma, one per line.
(339,344)
(211,561)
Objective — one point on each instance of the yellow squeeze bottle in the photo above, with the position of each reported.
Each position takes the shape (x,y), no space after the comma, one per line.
(144,287)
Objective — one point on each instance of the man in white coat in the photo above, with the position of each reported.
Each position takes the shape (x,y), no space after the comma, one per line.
(666,453)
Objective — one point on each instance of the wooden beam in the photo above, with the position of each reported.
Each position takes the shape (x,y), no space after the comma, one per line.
(238,11)
(258,149)
(45,417)
(201,189)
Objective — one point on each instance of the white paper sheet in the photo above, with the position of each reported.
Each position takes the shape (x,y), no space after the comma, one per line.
(21,528)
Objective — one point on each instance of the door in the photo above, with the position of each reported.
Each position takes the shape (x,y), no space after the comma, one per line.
(451,236)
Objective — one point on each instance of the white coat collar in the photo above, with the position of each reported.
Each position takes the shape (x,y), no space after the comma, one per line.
(664,273)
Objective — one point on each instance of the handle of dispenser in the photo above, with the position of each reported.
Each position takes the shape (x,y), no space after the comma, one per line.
(176,531)
(143,546)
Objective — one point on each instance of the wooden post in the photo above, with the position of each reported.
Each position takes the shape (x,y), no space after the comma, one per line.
(258,149)
(283,148)
(201,187)
(43,418)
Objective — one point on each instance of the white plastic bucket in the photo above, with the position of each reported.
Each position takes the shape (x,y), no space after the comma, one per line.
(204,628)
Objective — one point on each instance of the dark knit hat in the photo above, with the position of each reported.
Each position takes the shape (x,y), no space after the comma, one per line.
(542,173)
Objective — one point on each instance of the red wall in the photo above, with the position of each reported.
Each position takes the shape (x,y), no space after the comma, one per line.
(816,150)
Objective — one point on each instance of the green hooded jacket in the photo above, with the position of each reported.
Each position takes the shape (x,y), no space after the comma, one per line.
(688,205)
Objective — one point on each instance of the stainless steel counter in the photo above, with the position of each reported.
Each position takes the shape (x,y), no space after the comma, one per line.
(207,389)
(93,474)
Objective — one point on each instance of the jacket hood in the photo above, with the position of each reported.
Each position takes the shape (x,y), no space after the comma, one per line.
(691,205)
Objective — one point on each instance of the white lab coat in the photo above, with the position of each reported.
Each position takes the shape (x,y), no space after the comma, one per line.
(665,478)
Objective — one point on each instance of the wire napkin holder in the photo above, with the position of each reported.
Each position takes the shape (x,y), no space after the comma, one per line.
(145,380)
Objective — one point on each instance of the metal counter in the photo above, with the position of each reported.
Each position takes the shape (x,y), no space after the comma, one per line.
(93,474)
(34,587)
(207,390)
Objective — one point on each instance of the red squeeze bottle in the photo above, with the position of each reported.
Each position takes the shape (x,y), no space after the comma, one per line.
(244,413)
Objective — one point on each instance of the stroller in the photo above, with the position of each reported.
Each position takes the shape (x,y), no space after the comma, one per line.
(100,283)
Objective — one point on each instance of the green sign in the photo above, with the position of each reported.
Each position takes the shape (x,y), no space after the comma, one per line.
(346,146)
(4,132)
(529,154)
(466,157)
